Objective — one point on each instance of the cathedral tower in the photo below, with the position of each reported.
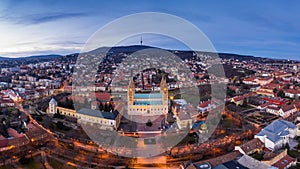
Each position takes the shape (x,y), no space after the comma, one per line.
(130,92)
(52,106)
(164,90)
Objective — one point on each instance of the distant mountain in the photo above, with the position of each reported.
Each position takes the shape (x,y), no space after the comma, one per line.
(183,54)
(32,57)
(3,58)
(40,57)
(119,49)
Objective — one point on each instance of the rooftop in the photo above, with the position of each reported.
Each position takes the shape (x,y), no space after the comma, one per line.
(97,113)
(276,129)
(147,95)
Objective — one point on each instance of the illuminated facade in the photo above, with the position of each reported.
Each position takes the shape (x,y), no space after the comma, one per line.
(109,120)
(148,104)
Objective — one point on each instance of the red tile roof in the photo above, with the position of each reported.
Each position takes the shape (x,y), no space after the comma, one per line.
(204,104)
(265,105)
(101,96)
(238,98)
(3,141)
(286,108)
(273,108)
(14,133)
(250,79)
(284,162)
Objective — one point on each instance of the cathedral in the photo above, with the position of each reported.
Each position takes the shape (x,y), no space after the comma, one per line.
(148,104)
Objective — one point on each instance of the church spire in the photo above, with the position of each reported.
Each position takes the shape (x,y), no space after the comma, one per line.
(163,83)
(130,92)
(131,84)
(164,90)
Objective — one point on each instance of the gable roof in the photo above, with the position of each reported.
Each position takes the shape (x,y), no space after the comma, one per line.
(250,162)
(53,101)
(276,129)
(287,107)
(284,162)
(252,145)
(97,113)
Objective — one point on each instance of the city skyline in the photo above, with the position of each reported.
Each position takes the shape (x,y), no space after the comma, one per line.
(55,27)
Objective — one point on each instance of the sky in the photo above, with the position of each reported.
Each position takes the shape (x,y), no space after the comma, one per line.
(259,28)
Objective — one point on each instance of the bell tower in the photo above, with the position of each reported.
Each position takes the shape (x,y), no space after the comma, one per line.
(130,92)
(164,90)
(52,106)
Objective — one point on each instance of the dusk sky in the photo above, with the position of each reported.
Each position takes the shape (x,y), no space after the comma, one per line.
(259,28)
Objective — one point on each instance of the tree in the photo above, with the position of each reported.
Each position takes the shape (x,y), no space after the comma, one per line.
(105,107)
(281,93)
(149,123)
(111,107)
(101,106)
(245,102)
(275,90)
(60,125)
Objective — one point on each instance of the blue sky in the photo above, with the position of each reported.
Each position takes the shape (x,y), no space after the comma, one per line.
(259,28)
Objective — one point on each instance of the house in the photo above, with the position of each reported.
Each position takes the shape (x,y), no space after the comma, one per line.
(276,100)
(297,122)
(250,81)
(249,162)
(281,161)
(287,110)
(252,146)
(264,80)
(5,101)
(272,109)
(234,88)
(282,74)
(297,106)
(204,106)
(283,111)
(285,162)
(292,93)
(238,100)
(265,92)
(264,106)
(277,134)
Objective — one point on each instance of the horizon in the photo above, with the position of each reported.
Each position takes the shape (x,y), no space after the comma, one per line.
(50,54)
(254,29)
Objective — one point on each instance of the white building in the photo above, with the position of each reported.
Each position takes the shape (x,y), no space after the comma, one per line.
(108,120)
(284,111)
(277,134)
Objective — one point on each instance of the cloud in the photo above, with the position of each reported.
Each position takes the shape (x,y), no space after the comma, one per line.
(42,17)
(27,49)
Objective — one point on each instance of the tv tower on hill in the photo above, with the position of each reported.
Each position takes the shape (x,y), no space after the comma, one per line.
(141,40)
